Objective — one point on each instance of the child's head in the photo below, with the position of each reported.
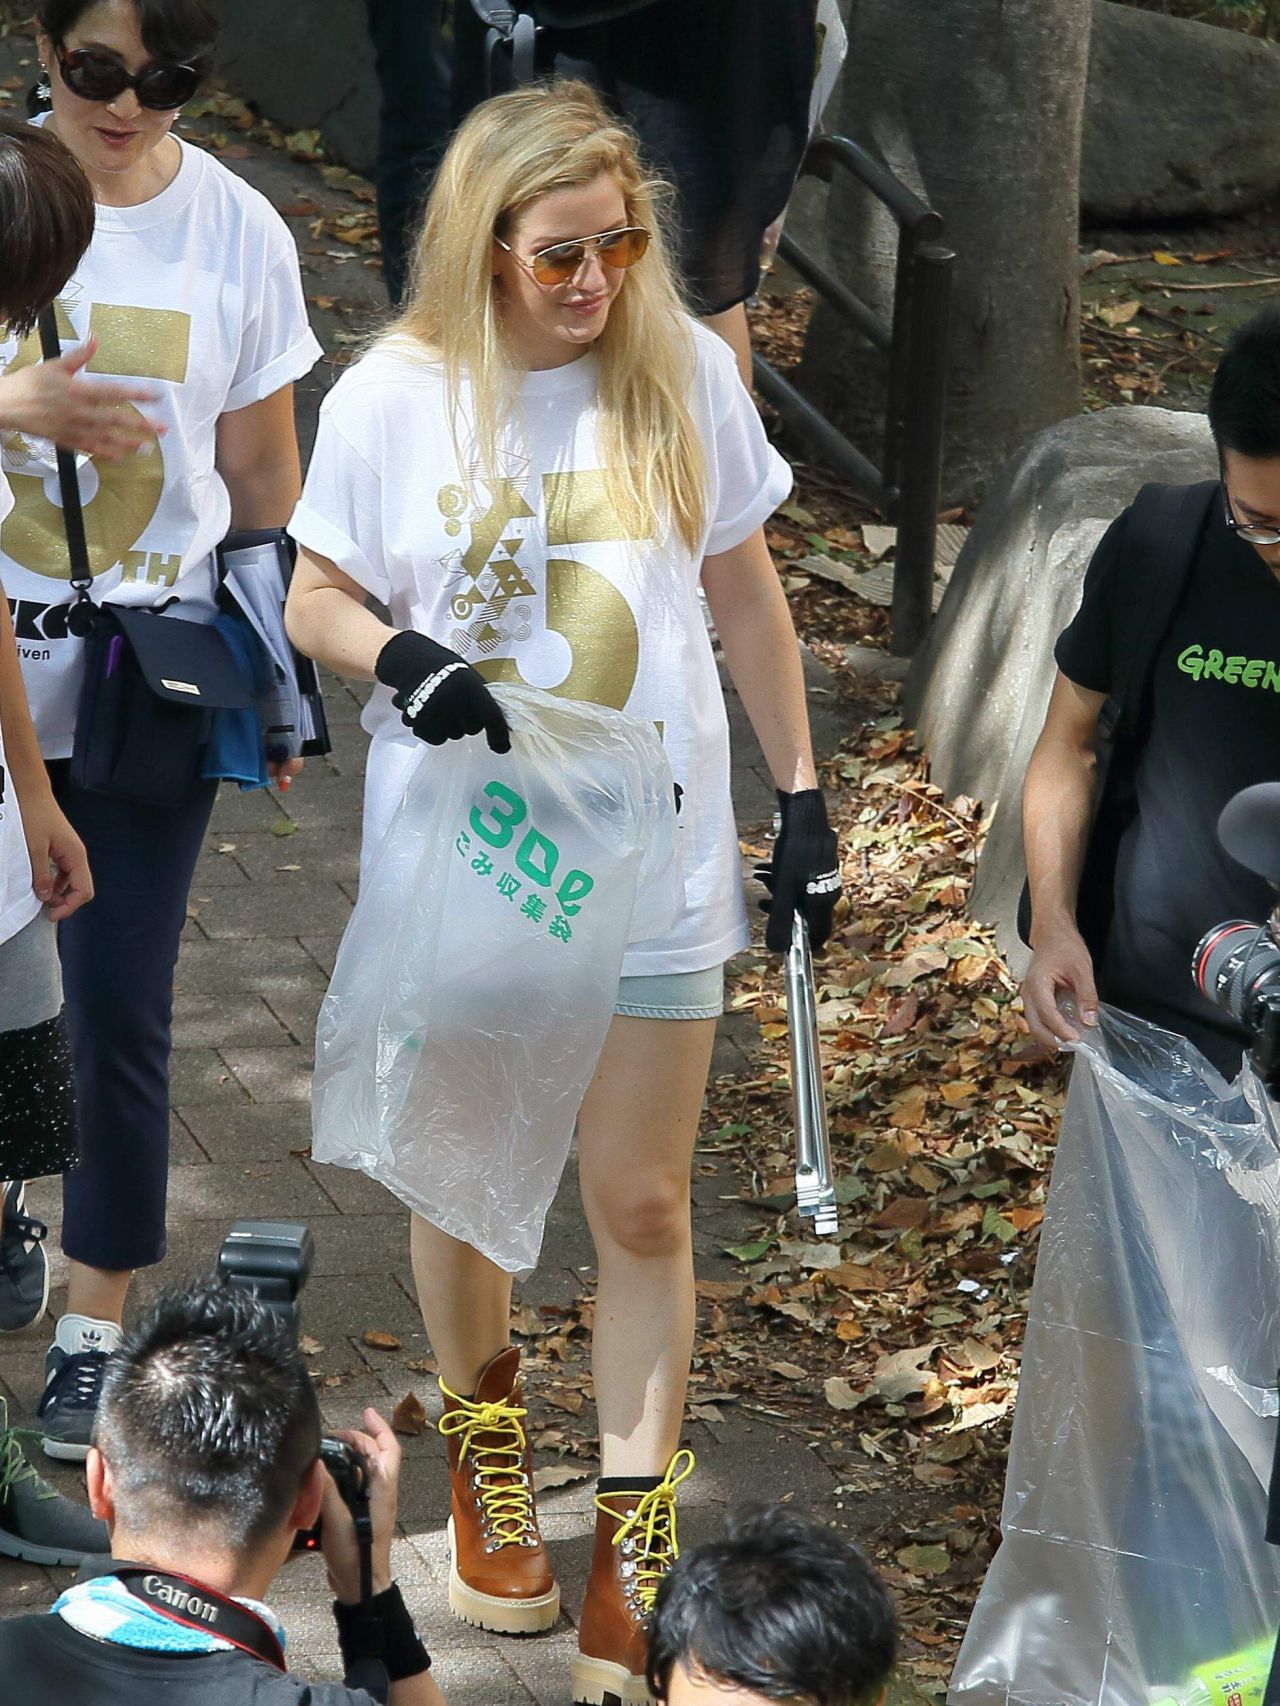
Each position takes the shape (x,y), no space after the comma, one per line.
(779,1610)
(46,221)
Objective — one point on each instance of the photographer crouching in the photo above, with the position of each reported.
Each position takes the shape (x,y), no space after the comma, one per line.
(205,1466)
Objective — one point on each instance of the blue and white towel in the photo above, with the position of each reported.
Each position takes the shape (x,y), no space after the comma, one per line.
(104,1608)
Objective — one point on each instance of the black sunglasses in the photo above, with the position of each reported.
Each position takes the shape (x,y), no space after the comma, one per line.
(101,77)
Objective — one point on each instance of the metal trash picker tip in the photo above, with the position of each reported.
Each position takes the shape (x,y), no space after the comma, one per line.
(815,1187)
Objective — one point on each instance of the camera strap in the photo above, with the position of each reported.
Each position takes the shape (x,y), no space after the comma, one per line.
(181,1599)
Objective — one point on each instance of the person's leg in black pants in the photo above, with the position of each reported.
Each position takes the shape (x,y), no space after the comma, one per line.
(413,80)
(118,957)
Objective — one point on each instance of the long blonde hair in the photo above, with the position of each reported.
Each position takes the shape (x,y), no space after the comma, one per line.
(509,151)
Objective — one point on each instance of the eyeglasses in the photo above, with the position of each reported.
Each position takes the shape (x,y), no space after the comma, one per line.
(1251,534)
(101,77)
(563,261)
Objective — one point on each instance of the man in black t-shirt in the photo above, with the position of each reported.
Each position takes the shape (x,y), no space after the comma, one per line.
(205,1466)
(1208,725)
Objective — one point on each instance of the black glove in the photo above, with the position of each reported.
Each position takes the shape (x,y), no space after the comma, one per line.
(438,695)
(804,873)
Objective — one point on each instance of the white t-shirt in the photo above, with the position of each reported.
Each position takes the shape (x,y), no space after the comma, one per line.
(18,903)
(196,293)
(527,577)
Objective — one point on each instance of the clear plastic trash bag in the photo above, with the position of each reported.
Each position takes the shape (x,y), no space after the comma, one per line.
(479,970)
(1135,1507)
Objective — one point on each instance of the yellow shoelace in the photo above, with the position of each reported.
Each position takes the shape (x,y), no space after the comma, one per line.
(504,1493)
(652,1527)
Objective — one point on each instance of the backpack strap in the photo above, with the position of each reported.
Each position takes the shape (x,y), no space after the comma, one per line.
(1161,543)
(512,33)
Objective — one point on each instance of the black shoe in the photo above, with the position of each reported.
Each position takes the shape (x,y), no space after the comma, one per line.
(69,1406)
(36,1523)
(24,1267)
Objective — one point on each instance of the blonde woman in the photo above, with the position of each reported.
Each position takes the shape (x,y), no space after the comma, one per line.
(534,470)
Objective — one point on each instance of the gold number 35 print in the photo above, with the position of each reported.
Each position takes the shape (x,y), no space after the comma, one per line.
(119,504)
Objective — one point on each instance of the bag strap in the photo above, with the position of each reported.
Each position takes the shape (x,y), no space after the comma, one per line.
(511,28)
(69,488)
(1161,544)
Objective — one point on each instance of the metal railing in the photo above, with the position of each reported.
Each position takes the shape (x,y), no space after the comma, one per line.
(906,485)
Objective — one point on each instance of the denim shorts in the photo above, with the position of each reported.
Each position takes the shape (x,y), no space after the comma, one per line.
(673,995)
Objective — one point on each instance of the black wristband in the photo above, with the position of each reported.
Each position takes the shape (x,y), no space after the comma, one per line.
(382,1628)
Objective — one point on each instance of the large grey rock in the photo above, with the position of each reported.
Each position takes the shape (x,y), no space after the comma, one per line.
(978,689)
(1181,119)
(307,66)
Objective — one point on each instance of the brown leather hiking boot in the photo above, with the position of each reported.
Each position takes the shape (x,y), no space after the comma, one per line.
(635,1547)
(499,1573)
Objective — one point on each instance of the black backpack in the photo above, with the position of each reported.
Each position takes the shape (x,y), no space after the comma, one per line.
(1162,541)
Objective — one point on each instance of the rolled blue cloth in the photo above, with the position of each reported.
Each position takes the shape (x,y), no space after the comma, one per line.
(236,750)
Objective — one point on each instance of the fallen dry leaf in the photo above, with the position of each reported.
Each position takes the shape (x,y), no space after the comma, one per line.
(839,1394)
(410,1416)
(559,1475)
(380,1341)
(571,1402)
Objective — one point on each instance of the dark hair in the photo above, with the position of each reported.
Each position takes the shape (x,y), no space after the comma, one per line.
(208,1415)
(46,221)
(183,32)
(1244,399)
(779,1607)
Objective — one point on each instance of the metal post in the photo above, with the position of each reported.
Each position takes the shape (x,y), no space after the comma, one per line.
(819,435)
(898,400)
(917,510)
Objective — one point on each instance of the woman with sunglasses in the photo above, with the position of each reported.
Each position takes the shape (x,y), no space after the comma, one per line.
(190,289)
(534,470)
(46,221)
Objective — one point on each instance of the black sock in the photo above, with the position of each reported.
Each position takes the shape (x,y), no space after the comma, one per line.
(628,1483)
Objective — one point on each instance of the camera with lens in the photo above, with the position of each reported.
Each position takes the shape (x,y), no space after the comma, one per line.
(1236,964)
(272,1259)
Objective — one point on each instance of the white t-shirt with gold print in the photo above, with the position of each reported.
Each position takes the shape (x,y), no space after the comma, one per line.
(197,294)
(18,903)
(529,577)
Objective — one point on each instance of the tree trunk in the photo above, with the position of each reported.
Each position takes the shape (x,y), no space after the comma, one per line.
(976,106)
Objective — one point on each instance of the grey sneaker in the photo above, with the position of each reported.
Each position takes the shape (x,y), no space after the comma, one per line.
(36,1523)
(24,1267)
(69,1405)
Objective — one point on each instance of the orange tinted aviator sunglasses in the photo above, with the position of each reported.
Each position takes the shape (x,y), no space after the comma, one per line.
(562,261)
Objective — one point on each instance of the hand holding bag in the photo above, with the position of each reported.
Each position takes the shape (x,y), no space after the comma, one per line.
(152,680)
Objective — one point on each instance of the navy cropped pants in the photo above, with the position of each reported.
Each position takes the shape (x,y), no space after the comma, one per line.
(118,957)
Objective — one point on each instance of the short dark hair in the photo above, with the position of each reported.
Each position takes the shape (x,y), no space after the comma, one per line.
(183,32)
(46,221)
(780,1607)
(1244,399)
(208,1414)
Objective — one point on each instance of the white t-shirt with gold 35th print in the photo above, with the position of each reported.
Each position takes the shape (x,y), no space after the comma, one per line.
(530,577)
(197,294)
(18,903)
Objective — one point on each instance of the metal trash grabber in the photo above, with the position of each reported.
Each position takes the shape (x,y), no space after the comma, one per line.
(815,1187)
